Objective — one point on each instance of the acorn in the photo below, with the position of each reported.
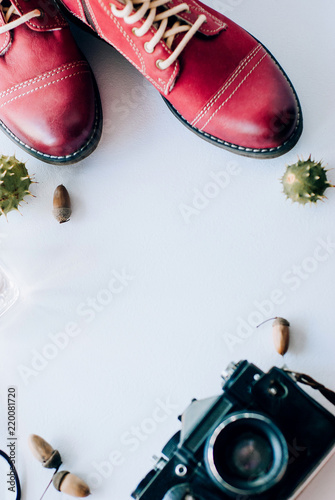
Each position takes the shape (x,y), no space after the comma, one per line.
(281,335)
(44,452)
(70,484)
(61,204)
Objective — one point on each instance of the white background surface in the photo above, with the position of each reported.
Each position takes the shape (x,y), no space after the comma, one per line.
(163,337)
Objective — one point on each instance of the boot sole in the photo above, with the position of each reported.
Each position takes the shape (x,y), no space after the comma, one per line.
(78,155)
(240,150)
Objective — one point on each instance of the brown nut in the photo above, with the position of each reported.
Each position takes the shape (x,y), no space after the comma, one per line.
(61,204)
(281,335)
(44,452)
(70,484)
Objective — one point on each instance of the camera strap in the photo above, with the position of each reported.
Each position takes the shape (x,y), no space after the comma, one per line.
(307,380)
(16,477)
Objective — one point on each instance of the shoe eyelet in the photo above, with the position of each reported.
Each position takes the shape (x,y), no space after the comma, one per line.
(134,31)
(148,48)
(158,64)
(41,12)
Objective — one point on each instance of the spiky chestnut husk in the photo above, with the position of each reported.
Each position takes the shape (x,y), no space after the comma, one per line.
(305,181)
(14,183)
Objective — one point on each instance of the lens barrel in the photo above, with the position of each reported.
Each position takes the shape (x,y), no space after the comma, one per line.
(246,454)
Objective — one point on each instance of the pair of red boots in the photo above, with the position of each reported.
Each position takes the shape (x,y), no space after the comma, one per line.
(214,76)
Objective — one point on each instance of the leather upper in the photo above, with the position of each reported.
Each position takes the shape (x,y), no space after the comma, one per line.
(224,83)
(47,95)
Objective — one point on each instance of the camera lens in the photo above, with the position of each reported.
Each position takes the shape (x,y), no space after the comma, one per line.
(251,456)
(247,454)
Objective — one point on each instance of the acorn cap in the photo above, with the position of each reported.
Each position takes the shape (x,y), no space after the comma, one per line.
(62,214)
(280,321)
(54,461)
(58,478)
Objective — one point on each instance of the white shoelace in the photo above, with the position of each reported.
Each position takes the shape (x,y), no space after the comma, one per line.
(9,11)
(163,32)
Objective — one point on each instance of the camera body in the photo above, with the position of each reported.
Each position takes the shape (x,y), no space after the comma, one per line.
(263,439)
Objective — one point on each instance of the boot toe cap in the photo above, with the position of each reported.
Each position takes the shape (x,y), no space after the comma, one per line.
(261,114)
(58,122)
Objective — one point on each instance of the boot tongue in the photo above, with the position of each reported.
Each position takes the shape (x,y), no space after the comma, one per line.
(213,26)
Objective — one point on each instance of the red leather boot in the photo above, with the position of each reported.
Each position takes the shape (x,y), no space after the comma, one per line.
(49,103)
(215,77)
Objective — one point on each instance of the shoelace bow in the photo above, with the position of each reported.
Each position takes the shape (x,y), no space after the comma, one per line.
(148,10)
(9,11)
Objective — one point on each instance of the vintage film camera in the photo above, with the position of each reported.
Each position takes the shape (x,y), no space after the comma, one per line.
(264,438)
